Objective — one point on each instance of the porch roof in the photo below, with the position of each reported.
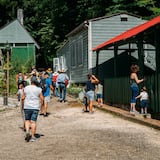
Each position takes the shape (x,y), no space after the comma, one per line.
(128,34)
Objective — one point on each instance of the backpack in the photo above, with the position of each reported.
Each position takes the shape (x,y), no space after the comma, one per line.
(54,78)
(43,85)
(20,79)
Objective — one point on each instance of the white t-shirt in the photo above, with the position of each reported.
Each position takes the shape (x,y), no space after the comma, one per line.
(20,92)
(144,96)
(99,89)
(32,99)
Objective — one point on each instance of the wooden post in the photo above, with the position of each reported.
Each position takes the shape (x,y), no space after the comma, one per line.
(8,68)
(97,63)
(157,47)
(141,57)
(115,60)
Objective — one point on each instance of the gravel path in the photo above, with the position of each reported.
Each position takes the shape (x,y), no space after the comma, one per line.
(69,134)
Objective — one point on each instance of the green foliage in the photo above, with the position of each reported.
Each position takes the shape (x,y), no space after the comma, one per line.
(24,68)
(48,21)
(2,82)
(74,90)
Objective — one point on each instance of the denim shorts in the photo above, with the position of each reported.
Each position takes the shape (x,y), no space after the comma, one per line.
(31,114)
(90,95)
(99,95)
(144,103)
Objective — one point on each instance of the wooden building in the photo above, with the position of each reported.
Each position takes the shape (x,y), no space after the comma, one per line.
(146,41)
(76,54)
(22,45)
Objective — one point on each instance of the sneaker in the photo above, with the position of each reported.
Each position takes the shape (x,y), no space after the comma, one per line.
(33,139)
(91,112)
(45,115)
(136,112)
(27,138)
(84,110)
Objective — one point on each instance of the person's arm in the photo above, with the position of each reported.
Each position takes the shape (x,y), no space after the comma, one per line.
(41,97)
(16,78)
(139,96)
(51,87)
(96,88)
(137,80)
(94,79)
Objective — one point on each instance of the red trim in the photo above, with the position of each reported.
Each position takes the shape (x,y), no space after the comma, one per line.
(130,33)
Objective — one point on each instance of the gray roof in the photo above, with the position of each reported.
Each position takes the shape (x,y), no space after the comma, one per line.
(84,24)
(14,32)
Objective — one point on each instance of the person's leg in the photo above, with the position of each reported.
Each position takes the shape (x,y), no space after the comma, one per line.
(60,89)
(98,99)
(91,99)
(46,101)
(145,110)
(27,125)
(64,93)
(90,106)
(142,111)
(133,107)
(135,91)
(57,92)
(27,114)
(42,109)
(33,124)
(33,131)
(45,108)
(27,117)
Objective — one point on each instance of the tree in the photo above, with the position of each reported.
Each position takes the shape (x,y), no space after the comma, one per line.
(49,21)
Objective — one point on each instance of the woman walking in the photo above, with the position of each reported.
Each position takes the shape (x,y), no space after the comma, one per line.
(32,96)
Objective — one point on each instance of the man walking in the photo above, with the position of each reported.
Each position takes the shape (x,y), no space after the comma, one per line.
(32,96)
(62,80)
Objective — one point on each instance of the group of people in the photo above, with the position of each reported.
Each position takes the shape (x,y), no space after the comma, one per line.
(93,88)
(35,96)
(143,95)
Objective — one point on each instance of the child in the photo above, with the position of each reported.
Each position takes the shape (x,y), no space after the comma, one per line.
(20,93)
(99,93)
(21,102)
(144,98)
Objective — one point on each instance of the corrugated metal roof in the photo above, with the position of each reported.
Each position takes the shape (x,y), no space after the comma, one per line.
(128,34)
(14,32)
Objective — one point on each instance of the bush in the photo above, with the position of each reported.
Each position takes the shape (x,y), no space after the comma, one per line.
(74,90)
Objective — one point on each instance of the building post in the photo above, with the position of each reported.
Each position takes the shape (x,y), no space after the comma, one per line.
(97,63)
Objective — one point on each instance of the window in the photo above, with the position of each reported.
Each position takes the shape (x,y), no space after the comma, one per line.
(56,64)
(76,49)
(73,54)
(124,18)
(80,51)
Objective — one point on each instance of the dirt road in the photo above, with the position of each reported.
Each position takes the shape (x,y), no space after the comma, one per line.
(69,134)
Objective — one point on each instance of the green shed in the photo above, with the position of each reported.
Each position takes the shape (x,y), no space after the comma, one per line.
(23,46)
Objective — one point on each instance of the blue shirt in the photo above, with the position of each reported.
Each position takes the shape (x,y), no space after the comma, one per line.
(48,83)
(62,77)
(90,86)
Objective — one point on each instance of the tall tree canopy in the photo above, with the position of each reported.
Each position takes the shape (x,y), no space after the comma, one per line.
(49,21)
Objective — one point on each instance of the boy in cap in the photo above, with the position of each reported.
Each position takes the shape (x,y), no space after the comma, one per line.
(46,94)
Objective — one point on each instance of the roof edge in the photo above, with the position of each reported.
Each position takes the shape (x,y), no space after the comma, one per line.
(7,24)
